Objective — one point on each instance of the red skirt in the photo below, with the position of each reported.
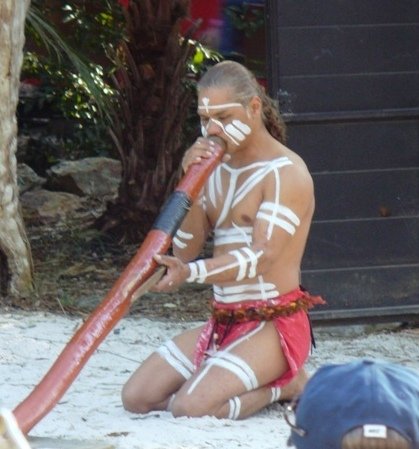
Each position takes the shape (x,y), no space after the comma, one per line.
(287,312)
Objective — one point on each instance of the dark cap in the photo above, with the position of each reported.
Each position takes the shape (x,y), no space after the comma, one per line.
(373,395)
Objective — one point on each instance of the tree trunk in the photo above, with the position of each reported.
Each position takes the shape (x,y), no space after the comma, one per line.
(15,255)
(154,102)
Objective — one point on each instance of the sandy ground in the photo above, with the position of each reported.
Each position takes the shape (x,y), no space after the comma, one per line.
(91,408)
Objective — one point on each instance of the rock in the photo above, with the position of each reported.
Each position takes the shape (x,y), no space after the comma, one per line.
(45,207)
(96,177)
(28,179)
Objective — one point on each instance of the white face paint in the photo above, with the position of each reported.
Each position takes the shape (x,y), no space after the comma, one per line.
(236,130)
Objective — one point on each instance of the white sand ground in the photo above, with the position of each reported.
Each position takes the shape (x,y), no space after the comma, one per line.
(91,408)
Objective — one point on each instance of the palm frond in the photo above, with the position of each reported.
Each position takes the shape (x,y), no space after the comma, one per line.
(56,45)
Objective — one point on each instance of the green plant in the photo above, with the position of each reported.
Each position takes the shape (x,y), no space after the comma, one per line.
(64,89)
(247,17)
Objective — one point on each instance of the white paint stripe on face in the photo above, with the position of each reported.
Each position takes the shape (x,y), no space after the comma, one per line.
(223,129)
(238,130)
(245,129)
(206,107)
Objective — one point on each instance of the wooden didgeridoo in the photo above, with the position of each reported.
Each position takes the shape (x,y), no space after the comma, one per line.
(117,303)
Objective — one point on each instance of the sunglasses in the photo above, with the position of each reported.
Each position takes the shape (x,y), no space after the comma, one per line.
(290,417)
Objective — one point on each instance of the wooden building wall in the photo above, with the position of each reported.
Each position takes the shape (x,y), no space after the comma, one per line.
(346,75)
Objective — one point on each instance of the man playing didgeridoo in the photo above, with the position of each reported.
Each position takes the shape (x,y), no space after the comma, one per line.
(259,205)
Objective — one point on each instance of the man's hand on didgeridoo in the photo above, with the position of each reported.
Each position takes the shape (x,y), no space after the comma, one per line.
(176,273)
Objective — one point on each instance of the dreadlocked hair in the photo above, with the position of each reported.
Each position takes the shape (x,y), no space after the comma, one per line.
(244,86)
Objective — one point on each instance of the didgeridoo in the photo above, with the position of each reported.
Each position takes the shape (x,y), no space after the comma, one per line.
(117,303)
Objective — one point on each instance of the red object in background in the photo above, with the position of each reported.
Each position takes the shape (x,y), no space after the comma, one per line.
(208,11)
(32,81)
(124,3)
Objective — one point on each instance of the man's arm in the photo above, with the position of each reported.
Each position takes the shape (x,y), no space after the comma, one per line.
(287,203)
(192,234)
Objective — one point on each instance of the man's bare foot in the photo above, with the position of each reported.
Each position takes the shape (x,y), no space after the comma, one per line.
(295,387)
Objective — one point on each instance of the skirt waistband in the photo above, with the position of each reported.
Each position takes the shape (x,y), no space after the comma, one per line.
(283,305)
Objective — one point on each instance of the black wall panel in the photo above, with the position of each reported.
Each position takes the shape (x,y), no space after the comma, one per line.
(346,77)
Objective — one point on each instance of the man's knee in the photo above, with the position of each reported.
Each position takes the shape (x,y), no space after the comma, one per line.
(133,402)
(187,405)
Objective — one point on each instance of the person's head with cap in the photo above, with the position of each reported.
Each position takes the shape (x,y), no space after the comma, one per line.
(364,404)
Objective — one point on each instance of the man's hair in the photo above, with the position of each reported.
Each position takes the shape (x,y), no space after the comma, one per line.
(244,86)
(355,439)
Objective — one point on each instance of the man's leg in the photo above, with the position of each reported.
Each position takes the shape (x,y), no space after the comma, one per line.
(232,382)
(154,382)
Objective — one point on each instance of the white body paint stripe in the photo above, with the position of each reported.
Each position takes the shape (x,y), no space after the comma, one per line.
(258,176)
(250,288)
(241,368)
(275,394)
(211,191)
(281,210)
(175,358)
(207,366)
(228,199)
(277,222)
(242,264)
(251,296)
(202,271)
(233,235)
(193,272)
(179,243)
(253,259)
(235,407)
(243,292)
(220,124)
(179,236)
(219,106)
(184,235)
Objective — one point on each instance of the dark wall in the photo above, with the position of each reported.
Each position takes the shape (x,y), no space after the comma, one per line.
(346,75)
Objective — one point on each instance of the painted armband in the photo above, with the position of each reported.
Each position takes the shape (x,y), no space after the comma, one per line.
(246,263)
(181,239)
(278,215)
